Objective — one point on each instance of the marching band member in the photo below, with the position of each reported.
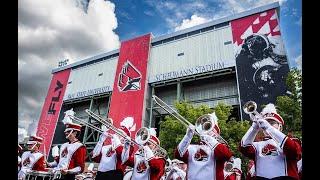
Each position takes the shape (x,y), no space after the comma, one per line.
(32,159)
(277,155)
(146,164)
(72,153)
(203,162)
(108,155)
(232,169)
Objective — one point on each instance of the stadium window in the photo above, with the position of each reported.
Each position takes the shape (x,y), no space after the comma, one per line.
(181,54)
(221,25)
(156,43)
(207,29)
(193,32)
(100,74)
(168,40)
(180,36)
(227,42)
(69,82)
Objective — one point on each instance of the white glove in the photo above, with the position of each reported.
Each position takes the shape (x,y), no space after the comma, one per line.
(263,124)
(255,125)
(125,151)
(209,140)
(183,145)
(148,154)
(276,135)
(250,135)
(115,141)
(190,131)
(103,136)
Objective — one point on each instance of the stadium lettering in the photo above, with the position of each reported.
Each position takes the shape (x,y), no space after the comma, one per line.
(189,71)
(54,99)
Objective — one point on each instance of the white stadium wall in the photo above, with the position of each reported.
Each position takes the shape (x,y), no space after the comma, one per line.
(200,53)
(90,80)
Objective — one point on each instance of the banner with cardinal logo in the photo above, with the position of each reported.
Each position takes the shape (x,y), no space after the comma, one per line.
(261,59)
(128,96)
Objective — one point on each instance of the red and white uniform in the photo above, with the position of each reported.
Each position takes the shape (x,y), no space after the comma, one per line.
(109,156)
(145,168)
(72,157)
(273,158)
(203,162)
(31,161)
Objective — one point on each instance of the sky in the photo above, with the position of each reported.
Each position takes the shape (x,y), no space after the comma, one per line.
(51,31)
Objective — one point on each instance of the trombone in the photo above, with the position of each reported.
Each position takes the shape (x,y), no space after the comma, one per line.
(203,123)
(142,135)
(81,121)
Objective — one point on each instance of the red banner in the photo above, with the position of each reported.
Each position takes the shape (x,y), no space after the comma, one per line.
(127,100)
(51,109)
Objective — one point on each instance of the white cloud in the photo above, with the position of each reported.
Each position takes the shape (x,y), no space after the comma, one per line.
(50,31)
(193,21)
(22,133)
(298,60)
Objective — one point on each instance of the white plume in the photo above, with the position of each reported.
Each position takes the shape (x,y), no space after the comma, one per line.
(270,108)
(214,117)
(133,128)
(55,151)
(153,132)
(66,118)
(127,122)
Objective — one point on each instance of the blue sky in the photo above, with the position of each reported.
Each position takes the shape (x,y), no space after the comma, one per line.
(137,17)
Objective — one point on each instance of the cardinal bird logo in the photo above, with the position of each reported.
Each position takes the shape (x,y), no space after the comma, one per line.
(110,152)
(141,167)
(201,155)
(269,150)
(26,162)
(64,152)
(129,78)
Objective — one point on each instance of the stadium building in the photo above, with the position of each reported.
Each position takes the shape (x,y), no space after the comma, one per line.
(232,60)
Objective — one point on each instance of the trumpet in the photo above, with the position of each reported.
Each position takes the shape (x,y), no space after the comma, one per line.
(250,108)
(203,124)
(142,135)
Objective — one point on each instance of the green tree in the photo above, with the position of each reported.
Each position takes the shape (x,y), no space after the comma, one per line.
(290,106)
(172,131)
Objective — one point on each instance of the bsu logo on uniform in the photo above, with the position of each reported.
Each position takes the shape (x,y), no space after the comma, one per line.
(64,152)
(201,155)
(129,78)
(269,149)
(141,167)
